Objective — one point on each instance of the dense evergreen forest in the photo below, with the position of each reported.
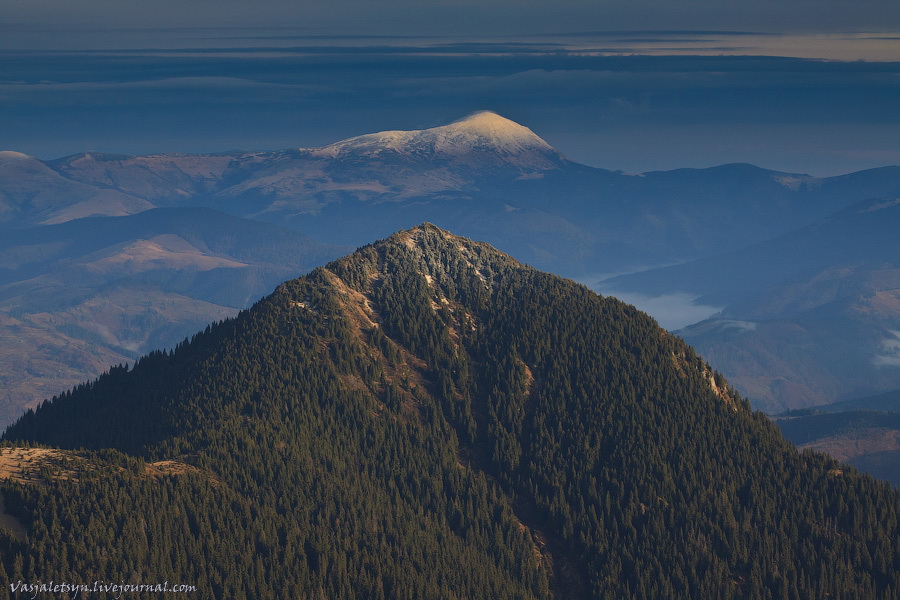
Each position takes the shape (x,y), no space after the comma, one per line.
(428,418)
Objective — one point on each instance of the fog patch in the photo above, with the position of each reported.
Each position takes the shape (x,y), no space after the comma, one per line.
(672,311)
(891,348)
(718,326)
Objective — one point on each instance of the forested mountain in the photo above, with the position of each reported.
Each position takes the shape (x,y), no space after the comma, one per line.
(428,418)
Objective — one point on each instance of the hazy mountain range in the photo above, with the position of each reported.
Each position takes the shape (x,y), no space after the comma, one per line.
(104,257)
(80,296)
(484,174)
(864,432)
(810,317)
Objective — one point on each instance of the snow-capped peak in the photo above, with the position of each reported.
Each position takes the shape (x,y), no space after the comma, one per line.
(489,128)
(480,134)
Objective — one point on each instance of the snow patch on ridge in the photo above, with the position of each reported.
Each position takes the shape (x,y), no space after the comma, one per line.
(797,182)
(881,205)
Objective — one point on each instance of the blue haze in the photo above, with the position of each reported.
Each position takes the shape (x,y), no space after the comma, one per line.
(613,100)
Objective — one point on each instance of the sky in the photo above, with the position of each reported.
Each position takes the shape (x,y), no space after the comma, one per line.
(804,87)
(464,17)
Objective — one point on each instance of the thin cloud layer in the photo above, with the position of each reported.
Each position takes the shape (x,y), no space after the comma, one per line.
(459,17)
(630,112)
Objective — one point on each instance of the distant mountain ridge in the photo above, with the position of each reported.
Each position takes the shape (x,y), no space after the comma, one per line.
(82,295)
(810,317)
(887,402)
(867,439)
(483,175)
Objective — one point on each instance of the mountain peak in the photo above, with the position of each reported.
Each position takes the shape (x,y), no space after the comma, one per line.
(420,233)
(437,254)
(429,239)
(489,126)
(481,136)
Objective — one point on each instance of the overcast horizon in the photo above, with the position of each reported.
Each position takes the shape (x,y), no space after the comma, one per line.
(465,17)
(632,87)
